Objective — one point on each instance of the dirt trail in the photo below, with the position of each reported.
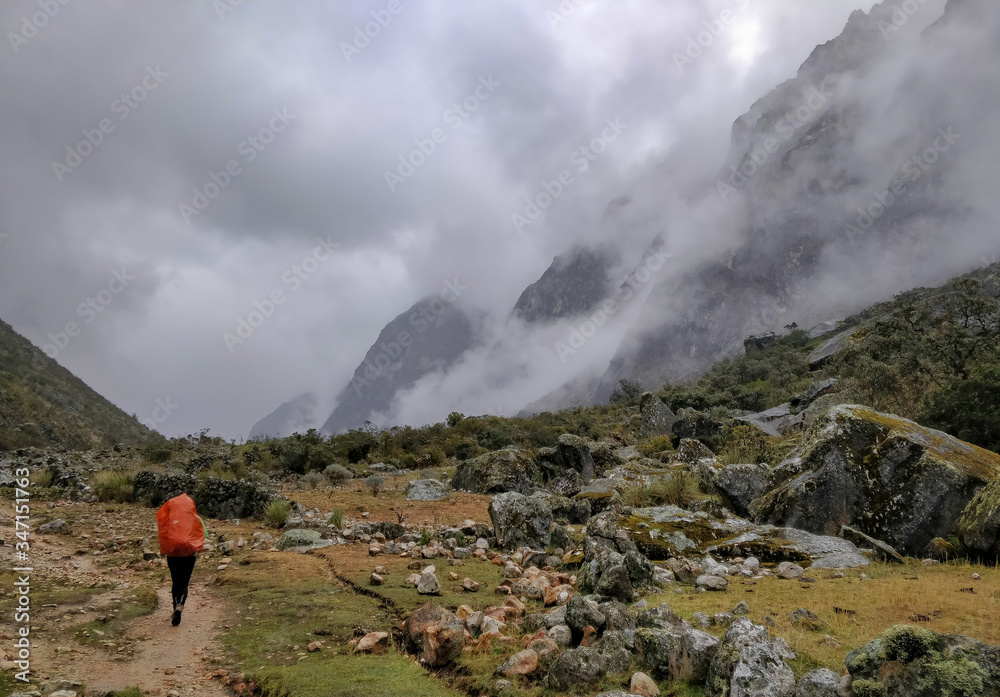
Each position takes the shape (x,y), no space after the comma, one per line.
(161,649)
(159,658)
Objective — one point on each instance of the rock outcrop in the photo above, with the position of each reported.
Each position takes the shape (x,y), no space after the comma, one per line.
(886,476)
(912,662)
(750,664)
(216,498)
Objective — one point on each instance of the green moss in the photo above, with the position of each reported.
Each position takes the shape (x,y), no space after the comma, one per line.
(906,644)
(958,676)
(868,688)
(967,459)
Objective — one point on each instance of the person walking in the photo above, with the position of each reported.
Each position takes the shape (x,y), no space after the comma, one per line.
(182,535)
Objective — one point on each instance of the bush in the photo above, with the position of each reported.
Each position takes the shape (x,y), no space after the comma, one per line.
(654,445)
(336,518)
(114,487)
(454,417)
(743,444)
(158,453)
(312,480)
(968,409)
(374,483)
(338,473)
(465,449)
(277,513)
(626,391)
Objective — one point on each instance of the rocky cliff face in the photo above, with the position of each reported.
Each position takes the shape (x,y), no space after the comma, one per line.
(428,337)
(860,165)
(573,285)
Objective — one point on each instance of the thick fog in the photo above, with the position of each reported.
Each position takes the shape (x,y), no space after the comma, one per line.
(173,172)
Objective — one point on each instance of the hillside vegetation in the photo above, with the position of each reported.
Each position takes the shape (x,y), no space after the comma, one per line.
(44,405)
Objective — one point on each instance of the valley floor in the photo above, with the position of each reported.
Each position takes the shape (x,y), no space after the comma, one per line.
(100,611)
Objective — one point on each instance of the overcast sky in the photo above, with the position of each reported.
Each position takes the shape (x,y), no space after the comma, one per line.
(309,114)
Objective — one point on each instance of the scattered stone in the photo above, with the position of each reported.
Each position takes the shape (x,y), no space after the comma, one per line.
(470,586)
(425,490)
(741,609)
(581,666)
(57,525)
(521,663)
(818,683)
(443,641)
(375,579)
(643,685)
(429,584)
(711,583)
(789,571)
(315,646)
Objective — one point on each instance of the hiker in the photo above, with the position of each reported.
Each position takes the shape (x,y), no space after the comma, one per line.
(182,536)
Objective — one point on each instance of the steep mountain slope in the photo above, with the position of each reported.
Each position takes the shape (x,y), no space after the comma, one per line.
(862,176)
(43,404)
(294,416)
(428,337)
(572,286)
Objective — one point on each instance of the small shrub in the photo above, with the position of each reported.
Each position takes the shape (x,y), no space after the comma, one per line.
(425,537)
(745,444)
(374,483)
(679,489)
(117,487)
(158,453)
(312,480)
(336,518)
(42,478)
(338,473)
(454,417)
(626,391)
(656,444)
(277,512)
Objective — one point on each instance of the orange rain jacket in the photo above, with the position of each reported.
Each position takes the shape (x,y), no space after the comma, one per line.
(182,532)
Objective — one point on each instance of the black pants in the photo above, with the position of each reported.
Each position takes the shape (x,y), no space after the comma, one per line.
(180,574)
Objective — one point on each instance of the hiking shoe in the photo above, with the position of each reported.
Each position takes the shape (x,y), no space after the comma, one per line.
(176,619)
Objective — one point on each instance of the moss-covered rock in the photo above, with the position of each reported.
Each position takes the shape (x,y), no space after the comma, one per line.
(913,662)
(509,469)
(886,476)
(978,528)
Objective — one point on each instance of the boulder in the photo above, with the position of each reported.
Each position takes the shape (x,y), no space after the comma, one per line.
(978,528)
(912,662)
(830,348)
(676,652)
(57,525)
(575,461)
(576,667)
(521,521)
(643,685)
(789,544)
(373,642)
(615,583)
(415,625)
(582,612)
(655,417)
(750,664)
(692,450)
(521,663)
(299,537)
(425,490)
(789,571)
(738,485)
(816,390)
(691,423)
(890,478)
(429,584)
(711,583)
(443,641)
(881,550)
(818,683)
(509,469)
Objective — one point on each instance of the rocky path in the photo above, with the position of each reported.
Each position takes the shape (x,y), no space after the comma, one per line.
(149,653)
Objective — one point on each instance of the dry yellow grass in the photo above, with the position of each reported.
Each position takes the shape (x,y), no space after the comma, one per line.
(938,598)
